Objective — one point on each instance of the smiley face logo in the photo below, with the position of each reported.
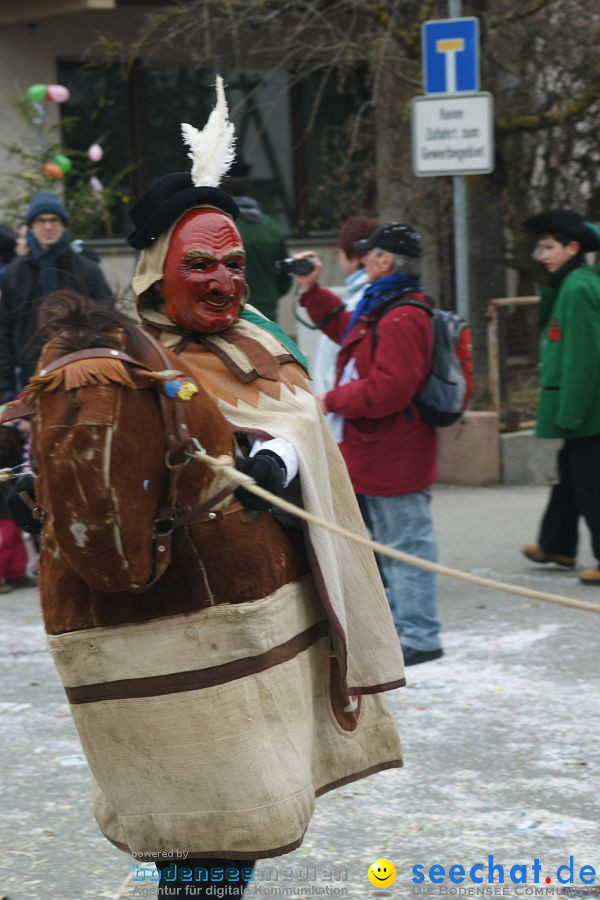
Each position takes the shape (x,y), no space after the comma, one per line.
(382,873)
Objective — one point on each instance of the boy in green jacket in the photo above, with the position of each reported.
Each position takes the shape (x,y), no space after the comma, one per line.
(569,404)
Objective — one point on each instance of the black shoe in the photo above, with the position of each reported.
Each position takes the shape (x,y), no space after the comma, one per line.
(412,656)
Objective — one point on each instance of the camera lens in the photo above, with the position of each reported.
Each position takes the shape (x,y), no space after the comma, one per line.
(292,266)
(302,266)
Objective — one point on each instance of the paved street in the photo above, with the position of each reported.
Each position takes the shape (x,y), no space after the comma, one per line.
(500,737)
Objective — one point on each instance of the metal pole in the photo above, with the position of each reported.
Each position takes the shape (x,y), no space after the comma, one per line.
(461,246)
(459,196)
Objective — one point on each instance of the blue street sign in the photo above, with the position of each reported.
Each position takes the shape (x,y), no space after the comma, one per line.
(451,56)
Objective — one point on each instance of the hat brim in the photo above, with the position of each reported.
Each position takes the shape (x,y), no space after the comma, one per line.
(363,246)
(554,222)
(168,212)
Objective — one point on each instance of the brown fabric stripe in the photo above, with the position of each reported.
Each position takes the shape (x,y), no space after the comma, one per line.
(377,688)
(196,679)
(356,776)
(274,851)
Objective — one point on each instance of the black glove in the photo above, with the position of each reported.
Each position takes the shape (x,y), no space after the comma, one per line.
(20,510)
(268,471)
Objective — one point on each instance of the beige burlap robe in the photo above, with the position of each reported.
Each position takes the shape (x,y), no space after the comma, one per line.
(213,733)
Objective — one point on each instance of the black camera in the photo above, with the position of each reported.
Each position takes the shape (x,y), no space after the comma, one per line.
(292,266)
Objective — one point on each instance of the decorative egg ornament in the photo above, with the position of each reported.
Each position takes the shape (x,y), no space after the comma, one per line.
(58,93)
(95,152)
(64,163)
(53,171)
(37,92)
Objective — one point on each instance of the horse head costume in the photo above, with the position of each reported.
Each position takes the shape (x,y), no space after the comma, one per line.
(223,667)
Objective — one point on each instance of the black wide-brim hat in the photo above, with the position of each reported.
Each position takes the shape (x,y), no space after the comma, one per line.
(567,223)
(166,200)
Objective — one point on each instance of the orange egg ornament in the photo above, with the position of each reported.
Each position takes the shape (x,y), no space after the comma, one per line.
(53,171)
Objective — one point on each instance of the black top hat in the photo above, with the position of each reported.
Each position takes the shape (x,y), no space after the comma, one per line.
(393,237)
(167,199)
(567,223)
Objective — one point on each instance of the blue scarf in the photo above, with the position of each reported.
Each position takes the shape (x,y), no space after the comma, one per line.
(381,291)
(46,262)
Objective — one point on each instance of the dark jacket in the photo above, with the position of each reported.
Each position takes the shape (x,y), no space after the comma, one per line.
(387,447)
(19,309)
(265,245)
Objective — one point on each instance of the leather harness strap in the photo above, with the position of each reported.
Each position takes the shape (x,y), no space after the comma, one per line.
(178,440)
(91,353)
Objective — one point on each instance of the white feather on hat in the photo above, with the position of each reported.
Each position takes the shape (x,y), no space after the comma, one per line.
(212,150)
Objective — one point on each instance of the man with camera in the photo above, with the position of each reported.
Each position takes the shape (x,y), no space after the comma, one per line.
(385,358)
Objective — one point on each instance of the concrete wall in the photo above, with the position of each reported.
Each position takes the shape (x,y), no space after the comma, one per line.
(527,459)
(470,450)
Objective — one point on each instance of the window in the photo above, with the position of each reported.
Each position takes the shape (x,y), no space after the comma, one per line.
(290,170)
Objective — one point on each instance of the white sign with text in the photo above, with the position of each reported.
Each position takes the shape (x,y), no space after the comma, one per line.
(453,135)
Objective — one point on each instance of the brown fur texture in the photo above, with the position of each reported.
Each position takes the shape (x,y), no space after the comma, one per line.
(100,451)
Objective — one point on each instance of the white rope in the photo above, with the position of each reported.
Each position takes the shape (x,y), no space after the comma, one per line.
(223,464)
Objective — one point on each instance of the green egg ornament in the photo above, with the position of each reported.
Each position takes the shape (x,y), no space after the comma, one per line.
(63,162)
(37,92)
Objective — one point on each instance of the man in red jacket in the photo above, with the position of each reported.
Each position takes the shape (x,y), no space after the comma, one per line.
(391,454)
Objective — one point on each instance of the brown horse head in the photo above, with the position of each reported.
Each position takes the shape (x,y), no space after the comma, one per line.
(115,416)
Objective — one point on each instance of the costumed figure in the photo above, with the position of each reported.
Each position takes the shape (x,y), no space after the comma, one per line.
(218,688)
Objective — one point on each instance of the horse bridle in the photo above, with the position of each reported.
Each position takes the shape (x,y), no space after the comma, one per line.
(181,446)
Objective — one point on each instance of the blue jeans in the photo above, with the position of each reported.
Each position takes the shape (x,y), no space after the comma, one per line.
(404,523)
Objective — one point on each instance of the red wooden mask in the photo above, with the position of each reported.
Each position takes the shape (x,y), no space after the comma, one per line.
(204,276)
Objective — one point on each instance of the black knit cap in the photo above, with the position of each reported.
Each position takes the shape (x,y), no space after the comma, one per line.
(566,223)
(393,237)
(166,200)
(46,203)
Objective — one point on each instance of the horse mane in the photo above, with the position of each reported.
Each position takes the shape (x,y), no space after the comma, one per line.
(76,322)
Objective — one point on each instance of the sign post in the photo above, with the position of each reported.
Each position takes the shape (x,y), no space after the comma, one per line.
(453,135)
(453,130)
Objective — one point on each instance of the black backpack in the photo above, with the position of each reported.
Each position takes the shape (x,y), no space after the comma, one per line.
(449,386)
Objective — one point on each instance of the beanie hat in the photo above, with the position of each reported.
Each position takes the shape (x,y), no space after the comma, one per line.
(46,202)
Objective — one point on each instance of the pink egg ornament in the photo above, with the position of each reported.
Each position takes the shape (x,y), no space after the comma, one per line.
(95,152)
(96,185)
(58,93)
